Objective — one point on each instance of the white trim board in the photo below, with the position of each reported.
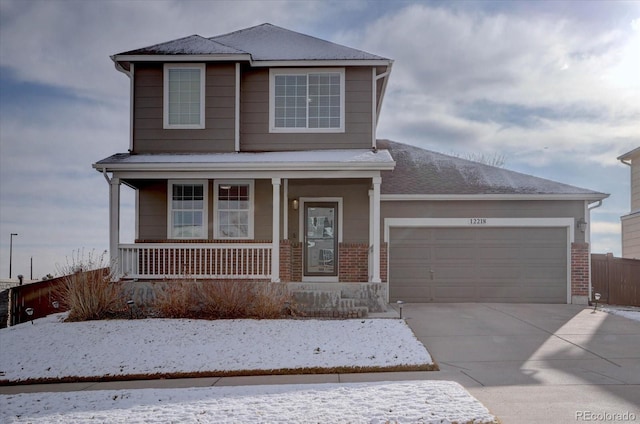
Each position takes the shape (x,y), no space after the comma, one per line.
(302,201)
(568,223)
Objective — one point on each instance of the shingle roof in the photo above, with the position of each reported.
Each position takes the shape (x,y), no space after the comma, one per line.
(193,44)
(303,160)
(420,171)
(270,42)
(264,42)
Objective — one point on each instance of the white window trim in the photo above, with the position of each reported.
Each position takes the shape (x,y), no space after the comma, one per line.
(216,229)
(205,207)
(165,102)
(303,71)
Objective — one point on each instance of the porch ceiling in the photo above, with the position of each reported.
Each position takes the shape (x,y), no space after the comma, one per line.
(316,160)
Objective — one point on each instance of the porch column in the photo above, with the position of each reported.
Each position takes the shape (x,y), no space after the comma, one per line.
(275,248)
(375,222)
(114,223)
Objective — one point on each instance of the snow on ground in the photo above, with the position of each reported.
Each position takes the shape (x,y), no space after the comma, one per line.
(627,312)
(398,402)
(50,349)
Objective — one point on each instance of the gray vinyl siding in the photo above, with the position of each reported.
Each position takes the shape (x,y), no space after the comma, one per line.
(219,132)
(355,204)
(152,207)
(485,209)
(254,116)
(152,210)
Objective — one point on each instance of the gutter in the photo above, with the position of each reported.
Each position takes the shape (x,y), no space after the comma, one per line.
(119,67)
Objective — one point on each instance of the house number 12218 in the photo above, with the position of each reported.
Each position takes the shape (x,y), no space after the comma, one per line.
(477,221)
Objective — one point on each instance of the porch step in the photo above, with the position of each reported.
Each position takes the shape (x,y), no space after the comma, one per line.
(328,304)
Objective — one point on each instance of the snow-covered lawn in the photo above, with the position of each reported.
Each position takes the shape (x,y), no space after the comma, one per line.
(399,402)
(627,312)
(50,349)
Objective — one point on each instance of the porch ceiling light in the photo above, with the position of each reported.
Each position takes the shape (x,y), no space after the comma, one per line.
(582,225)
(225,187)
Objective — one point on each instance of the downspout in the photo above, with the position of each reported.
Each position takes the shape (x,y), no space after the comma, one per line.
(588,209)
(129,73)
(106,177)
(237,110)
(375,107)
(384,85)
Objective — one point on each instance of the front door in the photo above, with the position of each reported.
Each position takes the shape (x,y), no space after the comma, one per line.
(321,239)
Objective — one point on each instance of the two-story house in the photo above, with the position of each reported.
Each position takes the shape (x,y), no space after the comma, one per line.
(631,221)
(254,155)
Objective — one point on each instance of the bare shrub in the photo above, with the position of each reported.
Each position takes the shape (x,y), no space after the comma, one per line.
(226,299)
(236,299)
(177,299)
(88,290)
(272,300)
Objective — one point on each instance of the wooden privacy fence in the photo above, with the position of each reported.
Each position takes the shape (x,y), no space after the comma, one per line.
(616,279)
(41,297)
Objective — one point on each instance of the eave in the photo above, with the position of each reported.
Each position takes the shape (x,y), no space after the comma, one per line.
(629,155)
(272,162)
(591,197)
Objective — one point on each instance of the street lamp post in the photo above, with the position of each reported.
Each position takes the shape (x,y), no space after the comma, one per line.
(11,252)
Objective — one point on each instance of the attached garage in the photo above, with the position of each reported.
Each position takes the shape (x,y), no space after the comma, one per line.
(462,231)
(501,264)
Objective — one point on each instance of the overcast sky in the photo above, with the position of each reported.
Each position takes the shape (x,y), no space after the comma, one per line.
(553,86)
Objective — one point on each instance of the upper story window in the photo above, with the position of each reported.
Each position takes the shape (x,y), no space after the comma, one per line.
(233,205)
(188,209)
(306,100)
(184,96)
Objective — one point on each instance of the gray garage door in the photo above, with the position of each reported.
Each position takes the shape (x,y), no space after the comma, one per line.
(478,265)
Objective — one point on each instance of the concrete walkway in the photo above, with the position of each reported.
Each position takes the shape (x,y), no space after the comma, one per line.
(526,363)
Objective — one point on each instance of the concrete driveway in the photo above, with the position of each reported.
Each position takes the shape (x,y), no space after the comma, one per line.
(536,363)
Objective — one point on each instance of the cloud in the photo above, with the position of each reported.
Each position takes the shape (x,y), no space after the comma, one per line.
(504,81)
(68,43)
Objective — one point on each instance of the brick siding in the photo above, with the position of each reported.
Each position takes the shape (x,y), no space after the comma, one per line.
(580,269)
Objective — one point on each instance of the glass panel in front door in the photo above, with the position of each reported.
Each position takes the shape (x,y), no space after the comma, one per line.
(321,239)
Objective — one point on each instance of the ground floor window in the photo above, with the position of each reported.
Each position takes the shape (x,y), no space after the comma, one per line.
(187,209)
(233,205)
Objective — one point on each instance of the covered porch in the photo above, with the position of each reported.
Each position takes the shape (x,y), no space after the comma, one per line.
(312,216)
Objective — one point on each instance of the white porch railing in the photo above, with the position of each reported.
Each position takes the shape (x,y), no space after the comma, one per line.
(195,260)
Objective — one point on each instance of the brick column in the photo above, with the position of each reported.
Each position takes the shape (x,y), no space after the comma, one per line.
(579,269)
(285,261)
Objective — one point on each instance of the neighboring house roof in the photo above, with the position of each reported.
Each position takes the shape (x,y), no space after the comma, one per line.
(630,155)
(264,42)
(423,172)
(347,159)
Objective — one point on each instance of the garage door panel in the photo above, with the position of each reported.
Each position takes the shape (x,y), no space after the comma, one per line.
(447,235)
(453,252)
(478,264)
